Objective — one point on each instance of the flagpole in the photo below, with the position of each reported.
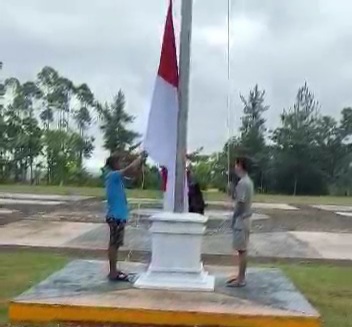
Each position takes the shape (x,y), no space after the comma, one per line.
(185,56)
(2,90)
(185,271)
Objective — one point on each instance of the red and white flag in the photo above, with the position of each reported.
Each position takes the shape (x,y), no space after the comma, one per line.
(161,136)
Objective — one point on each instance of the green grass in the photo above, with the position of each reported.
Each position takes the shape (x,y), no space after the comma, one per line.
(294,200)
(328,288)
(152,194)
(22,269)
(74,190)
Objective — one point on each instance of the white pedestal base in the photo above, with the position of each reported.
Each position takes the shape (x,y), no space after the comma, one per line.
(176,254)
(179,282)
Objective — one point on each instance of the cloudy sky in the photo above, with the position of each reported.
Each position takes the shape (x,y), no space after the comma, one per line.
(113,44)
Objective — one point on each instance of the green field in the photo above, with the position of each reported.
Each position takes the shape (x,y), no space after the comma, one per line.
(152,194)
(328,288)
(21,270)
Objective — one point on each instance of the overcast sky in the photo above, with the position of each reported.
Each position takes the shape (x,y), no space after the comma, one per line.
(113,44)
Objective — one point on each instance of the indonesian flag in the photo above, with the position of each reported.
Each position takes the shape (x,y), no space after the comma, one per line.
(161,136)
(163,173)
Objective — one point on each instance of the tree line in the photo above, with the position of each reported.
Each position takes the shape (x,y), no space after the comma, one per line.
(45,129)
(308,153)
(46,134)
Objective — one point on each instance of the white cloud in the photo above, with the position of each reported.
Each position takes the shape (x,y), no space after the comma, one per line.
(244,32)
(113,44)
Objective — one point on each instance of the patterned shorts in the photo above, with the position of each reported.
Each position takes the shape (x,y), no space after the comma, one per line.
(117,231)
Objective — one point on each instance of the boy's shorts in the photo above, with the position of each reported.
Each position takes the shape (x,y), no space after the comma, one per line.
(241,232)
(117,231)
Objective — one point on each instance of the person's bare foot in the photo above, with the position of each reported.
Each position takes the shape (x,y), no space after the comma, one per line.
(237,283)
(232,279)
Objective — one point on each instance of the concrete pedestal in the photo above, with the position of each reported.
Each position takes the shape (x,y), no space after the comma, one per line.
(176,254)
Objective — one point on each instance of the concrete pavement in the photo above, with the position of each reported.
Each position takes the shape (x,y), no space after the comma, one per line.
(92,237)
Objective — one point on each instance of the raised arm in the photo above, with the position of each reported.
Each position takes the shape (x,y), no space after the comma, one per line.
(135,164)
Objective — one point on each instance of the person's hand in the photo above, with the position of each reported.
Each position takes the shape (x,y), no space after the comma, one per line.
(230,189)
(144,155)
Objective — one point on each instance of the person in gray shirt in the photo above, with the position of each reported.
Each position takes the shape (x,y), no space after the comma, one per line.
(241,221)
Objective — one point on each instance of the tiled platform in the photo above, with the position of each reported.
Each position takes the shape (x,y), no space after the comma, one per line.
(81,293)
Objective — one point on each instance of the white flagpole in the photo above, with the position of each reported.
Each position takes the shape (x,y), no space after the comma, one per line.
(185,56)
(2,90)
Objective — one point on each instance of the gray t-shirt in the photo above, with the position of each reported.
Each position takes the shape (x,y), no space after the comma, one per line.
(244,193)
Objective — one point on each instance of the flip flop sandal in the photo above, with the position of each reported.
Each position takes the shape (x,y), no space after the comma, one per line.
(120,277)
(231,280)
(132,277)
(237,284)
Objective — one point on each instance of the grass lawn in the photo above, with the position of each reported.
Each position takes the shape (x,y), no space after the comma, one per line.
(152,194)
(21,270)
(328,288)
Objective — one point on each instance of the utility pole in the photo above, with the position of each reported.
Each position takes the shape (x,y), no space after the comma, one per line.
(185,58)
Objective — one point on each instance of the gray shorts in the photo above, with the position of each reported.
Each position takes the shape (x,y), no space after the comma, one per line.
(241,232)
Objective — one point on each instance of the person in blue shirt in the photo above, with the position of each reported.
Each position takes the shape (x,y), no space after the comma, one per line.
(117,208)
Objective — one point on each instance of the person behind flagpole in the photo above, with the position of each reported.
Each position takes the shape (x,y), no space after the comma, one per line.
(117,208)
(241,221)
(163,173)
(196,202)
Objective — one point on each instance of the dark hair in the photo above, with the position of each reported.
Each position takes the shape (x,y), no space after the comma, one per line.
(195,188)
(245,163)
(195,199)
(111,161)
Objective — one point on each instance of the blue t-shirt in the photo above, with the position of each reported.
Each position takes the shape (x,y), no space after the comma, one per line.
(117,207)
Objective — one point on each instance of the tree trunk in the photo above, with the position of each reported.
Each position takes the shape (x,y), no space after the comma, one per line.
(24,171)
(80,162)
(80,155)
(295,186)
(31,170)
(261,181)
(48,172)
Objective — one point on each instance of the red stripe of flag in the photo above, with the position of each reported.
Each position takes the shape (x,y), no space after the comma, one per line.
(168,68)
